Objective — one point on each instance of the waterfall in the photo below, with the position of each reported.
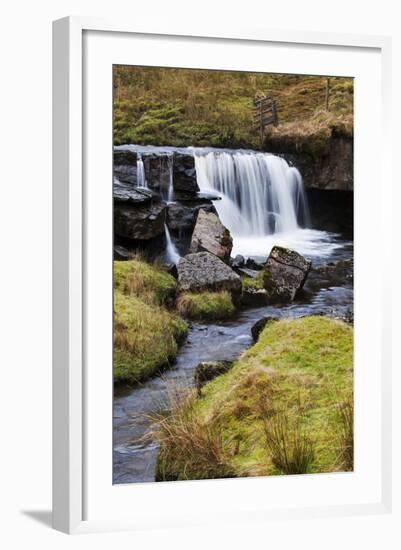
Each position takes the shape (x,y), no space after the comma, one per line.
(140,172)
(167,182)
(260,193)
(172,254)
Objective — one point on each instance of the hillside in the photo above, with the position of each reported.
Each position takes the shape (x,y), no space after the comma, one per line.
(185,107)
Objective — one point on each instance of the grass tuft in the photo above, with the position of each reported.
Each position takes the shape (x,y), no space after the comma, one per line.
(206,306)
(190,447)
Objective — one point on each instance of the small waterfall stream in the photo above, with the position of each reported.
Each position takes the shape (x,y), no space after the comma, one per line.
(172,254)
(140,172)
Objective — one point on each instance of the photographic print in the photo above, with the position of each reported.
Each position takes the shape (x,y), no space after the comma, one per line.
(232,274)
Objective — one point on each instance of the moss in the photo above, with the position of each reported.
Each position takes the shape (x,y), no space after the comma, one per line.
(207,306)
(298,374)
(146,333)
(255,283)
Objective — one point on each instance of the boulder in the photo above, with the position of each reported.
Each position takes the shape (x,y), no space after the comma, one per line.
(208,370)
(205,271)
(139,222)
(284,274)
(182,216)
(120,253)
(260,325)
(238,261)
(210,235)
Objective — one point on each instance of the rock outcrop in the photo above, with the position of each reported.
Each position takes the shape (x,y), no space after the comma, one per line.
(126,193)
(208,370)
(260,325)
(205,271)
(210,235)
(139,222)
(284,274)
(328,167)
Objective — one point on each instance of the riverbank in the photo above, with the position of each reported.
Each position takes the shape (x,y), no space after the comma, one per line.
(328,291)
(283,408)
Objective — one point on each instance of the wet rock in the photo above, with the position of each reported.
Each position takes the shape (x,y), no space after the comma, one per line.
(253,264)
(120,253)
(205,271)
(238,261)
(209,370)
(139,223)
(184,173)
(171,270)
(128,194)
(260,325)
(182,216)
(254,297)
(210,235)
(247,272)
(285,273)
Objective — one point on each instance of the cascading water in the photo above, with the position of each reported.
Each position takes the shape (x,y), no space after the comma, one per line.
(140,172)
(263,201)
(167,184)
(172,255)
(260,193)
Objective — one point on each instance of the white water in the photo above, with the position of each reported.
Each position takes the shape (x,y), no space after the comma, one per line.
(263,202)
(172,254)
(166,180)
(140,172)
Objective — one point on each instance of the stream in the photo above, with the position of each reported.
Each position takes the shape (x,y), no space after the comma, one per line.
(328,290)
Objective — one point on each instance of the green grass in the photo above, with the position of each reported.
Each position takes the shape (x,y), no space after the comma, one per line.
(181,107)
(206,306)
(255,283)
(146,281)
(146,333)
(281,399)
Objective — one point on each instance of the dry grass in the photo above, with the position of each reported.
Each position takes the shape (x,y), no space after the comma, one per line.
(289,448)
(188,444)
(346,434)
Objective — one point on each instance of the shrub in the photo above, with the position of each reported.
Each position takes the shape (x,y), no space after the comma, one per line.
(206,306)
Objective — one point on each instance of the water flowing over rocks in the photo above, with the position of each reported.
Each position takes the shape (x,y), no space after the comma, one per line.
(284,274)
(205,271)
(210,235)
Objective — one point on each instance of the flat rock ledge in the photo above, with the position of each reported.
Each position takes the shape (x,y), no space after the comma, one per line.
(205,271)
(285,273)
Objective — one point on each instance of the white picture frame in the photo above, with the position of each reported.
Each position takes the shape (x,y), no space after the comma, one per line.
(70,260)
